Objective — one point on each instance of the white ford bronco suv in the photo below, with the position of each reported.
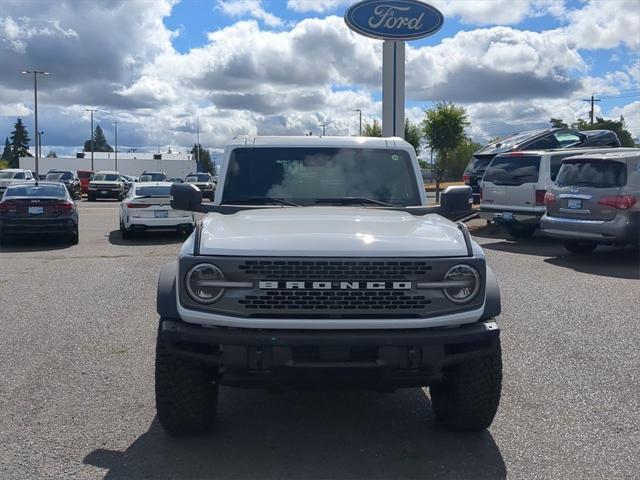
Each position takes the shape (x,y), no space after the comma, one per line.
(319,264)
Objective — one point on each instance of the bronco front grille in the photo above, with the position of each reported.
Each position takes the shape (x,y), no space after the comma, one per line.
(335,300)
(333,269)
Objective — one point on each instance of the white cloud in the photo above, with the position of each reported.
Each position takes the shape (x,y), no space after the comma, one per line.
(603,24)
(319,6)
(250,8)
(16,31)
(631,114)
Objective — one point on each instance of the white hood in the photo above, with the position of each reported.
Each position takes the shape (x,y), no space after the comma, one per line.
(330,232)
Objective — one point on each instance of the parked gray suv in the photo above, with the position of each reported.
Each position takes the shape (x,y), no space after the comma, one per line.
(595,200)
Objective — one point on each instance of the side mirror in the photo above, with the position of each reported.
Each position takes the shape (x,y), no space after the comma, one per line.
(187,197)
(456,201)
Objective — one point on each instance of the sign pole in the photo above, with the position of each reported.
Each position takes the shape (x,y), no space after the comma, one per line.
(393,68)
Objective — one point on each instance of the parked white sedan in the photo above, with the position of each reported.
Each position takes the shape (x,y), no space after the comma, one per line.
(148,207)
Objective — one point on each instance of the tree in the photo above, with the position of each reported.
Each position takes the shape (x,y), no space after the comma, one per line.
(413,135)
(372,129)
(19,143)
(443,127)
(558,123)
(460,158)
(618,126)
(52,154)
(99,142)
(6,153)
(204,159)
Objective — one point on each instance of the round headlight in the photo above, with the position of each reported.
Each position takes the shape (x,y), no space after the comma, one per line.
(468,283)
(199,281)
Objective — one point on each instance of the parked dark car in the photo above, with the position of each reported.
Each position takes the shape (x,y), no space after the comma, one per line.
(540,139)
(152,177)
(70,180)
(38,208)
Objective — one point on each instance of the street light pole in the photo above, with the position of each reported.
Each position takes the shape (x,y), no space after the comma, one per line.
(35,103)
(115,124)
(40,142)
(92,137)
(323,125)
(360,112)
(197,141)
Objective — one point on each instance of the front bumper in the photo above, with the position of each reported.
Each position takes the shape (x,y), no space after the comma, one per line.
(506,216)
(37,225)
(108,193)
(285,358)
(622,229)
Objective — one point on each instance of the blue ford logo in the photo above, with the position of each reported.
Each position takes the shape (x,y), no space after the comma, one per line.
(394,19)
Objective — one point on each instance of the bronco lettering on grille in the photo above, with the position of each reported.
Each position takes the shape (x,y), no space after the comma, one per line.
(326,285)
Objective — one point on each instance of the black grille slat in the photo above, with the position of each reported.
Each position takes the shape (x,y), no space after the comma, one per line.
(333,270)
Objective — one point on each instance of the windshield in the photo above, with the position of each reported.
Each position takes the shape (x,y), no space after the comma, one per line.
(479,164)
(509,142)
(8,175)
(307,175)
(106,177)
(596,174)
(513,170)
(198,178)
(56,191)
(59,176)
(153,191)
(153,177)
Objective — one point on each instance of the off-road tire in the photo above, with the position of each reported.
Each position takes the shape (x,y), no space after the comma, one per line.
(468,398)
(580,248)
(520,232)
(186,395)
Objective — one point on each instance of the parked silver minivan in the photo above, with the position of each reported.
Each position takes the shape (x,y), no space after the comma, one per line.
(595,200)
(512,189)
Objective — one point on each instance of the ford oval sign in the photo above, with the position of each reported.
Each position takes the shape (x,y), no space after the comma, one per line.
(394,19)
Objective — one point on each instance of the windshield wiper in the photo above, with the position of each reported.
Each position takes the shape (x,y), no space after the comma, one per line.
(260,200)
(354,200)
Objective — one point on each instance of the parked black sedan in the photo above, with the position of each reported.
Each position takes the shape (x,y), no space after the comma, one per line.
(38,208)
(69,178)
(540,139)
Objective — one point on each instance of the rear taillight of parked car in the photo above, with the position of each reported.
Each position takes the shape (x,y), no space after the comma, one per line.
(60,207)
(8,207)
(138,205)
(540,195)
(480,193)
(466,179)
(549,198)
(622,202)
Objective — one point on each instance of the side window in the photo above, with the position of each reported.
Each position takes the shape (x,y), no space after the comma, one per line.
(545,143)
(19,176)
(566,139)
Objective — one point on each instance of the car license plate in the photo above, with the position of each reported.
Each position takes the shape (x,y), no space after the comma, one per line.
(507,215)
(104,192)
(36,210)
(574,203)
(162,214)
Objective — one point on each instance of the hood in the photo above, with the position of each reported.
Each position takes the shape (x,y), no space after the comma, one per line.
(330,232)
(105,182)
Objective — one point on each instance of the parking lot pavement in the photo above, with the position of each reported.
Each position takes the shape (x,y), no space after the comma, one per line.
(76,389)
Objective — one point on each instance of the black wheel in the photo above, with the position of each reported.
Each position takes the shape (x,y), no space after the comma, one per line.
(126,234)
(3,239)
(74,238)
(91,198)
(580,247)
(468,398)
(520,232)
(186,393)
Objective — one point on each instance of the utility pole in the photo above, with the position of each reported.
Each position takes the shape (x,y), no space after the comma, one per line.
(323,125)
(115,125)
(591,100)
(40,143)
(35,103)
(360,128)
(92,137)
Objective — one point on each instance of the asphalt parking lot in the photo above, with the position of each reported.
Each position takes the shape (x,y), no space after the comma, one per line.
(76,388)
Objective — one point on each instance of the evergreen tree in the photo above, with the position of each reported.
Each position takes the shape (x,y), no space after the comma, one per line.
(6,153)
(19,143)
(52,154)
(99,142)
(204,159)
(372,129)
(413,135)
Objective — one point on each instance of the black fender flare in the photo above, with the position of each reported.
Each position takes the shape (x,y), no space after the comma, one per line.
(492,304)
(166,294)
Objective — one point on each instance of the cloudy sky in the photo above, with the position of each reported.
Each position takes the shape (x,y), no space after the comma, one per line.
(285,66)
